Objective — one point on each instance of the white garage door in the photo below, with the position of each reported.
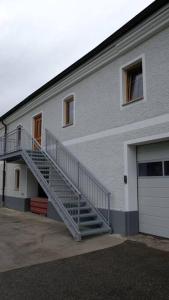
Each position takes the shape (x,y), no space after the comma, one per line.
(153,189)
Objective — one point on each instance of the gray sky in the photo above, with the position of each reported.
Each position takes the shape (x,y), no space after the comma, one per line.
(40,38)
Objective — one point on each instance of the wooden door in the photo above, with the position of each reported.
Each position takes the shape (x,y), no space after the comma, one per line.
(38,128)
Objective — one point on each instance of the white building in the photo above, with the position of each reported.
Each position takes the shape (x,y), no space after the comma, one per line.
(110,109)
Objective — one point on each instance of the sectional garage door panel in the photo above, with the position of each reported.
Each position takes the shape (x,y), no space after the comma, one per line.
(153,195)
(150,201)
(156,151)
(153,182)
(153,190)
(154,229)
(153,221)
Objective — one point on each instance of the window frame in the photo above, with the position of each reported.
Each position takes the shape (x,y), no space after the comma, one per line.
(148,163)
(128,83)
(65,103)
(163,161)
(123,82)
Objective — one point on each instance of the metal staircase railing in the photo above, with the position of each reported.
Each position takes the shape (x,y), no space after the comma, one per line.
(75,193)
(29,147)
(82,178)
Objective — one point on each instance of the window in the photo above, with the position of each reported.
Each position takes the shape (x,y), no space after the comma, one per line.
(150,169)
(68,111)
(17,179)
(133,82)
(166,168)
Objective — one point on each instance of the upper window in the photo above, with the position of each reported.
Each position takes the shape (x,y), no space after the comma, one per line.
(68,111)
(133,82)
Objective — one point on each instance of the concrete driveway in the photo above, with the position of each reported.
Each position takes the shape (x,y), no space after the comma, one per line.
(27,239)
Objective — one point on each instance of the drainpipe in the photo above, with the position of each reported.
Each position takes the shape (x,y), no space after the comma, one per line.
(4,167)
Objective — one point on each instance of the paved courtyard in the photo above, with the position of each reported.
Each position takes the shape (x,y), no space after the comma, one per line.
(27,239)
(40,260)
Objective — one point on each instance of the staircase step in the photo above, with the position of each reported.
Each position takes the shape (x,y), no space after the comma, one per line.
(39,157)
(34,155)
(42,165)
(34,151)
(64,197)
(69,204)
(87,215)
(58,184)
(39,161)
(75,209)
(58,179)
(63,192)
(87,232)
(53,178)
(90,223)
(59,190)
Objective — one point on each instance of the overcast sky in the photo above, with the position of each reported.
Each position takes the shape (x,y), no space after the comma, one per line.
(40,38)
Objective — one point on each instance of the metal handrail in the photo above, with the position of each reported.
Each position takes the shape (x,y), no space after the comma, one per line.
(80,164)
(37,145)
(82,178)
(29,146)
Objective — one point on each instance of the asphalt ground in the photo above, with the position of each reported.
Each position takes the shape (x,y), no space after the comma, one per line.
(127,271)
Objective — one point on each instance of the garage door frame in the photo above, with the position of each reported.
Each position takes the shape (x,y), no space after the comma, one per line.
(130,168)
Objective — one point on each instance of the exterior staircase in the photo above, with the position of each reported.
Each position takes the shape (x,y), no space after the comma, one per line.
(76,210)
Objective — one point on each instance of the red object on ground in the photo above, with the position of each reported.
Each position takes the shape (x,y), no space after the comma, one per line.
(39,206)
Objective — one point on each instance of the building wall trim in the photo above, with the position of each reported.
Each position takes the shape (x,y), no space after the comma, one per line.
(158,120)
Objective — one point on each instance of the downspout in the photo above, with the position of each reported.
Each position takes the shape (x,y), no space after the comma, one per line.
(4,167)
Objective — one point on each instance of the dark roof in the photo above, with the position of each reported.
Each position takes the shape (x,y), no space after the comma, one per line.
(147,12)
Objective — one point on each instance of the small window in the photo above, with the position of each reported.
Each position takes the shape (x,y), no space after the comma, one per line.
(150,169)
(69,111)
(17,179)
(133,82)
(166,168)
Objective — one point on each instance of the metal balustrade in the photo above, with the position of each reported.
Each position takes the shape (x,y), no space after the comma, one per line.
(11,142)
(75,194)
(82,178)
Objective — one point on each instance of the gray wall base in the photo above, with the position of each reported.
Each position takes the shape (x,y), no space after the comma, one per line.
(121,222)
(22,204)
(52,213)
(125,223)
